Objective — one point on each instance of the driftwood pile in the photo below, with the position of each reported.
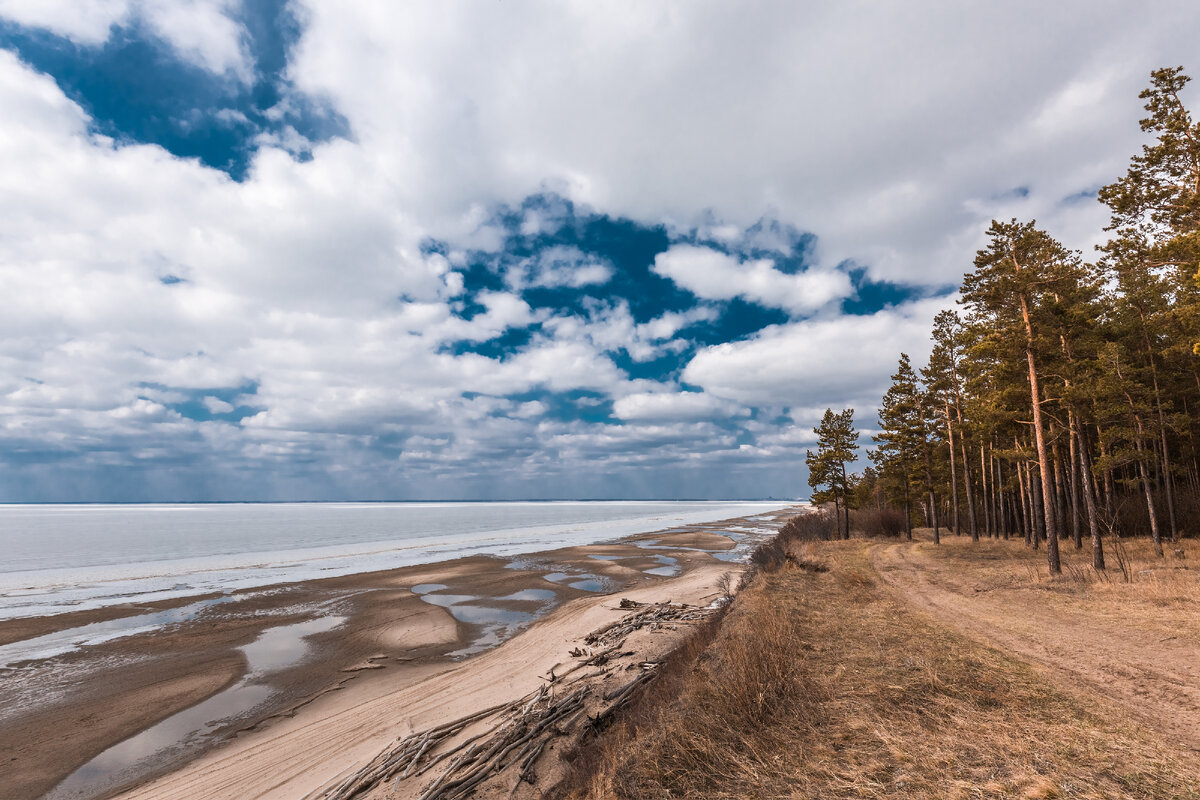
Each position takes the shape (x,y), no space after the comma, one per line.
(517,733)
(651,616)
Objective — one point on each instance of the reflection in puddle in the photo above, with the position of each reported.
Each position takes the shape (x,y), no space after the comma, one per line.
(584,581)
(425,588)
(533,595)
(60,642)
(274,649)
(588,585)
(607,558)
(498,624)
(488,615)
(670,566)
(447,600)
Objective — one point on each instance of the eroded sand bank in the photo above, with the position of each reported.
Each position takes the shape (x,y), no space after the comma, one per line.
(404,655)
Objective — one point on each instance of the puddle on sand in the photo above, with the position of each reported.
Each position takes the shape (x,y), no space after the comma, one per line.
(448,600)
(498,624)
(608,558)
(531,595)
(426,588)
(588,585)
(584,581)
(71,639)
(495,624)
(670,567)
(273,650)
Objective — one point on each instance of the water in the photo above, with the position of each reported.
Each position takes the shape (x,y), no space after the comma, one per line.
(669,568)
(65,641)
(531,595)
(588,585)
(62,558)
(494,624)
(584,581)
(275,649)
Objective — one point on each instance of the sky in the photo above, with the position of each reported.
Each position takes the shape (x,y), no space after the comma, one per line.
(499,249)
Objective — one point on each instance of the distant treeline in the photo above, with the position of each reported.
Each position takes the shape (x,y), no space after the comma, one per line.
(1063,401)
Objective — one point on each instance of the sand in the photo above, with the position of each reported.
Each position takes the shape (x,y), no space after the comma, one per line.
(397,663)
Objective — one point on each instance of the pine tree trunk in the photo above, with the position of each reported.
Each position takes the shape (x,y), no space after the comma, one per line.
(1076,532)
(1155,533)
(1005,522)
(846,503)
(1026,512)
(1052,557)
(1060,485)
(953,472)
(1037,496)
(1168,483)
(1107,481)
(1019,500)
(1088,481)
(933,511)
(968,487)
(983,494)
(907,512)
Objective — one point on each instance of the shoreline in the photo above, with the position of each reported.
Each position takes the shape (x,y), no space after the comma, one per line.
(141,571)
(392,636)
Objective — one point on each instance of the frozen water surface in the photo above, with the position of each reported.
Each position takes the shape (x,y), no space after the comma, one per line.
(69,557)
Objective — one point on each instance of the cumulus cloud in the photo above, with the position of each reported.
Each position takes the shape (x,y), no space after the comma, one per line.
(293,330)
(674,406)
(714,275)
(558,266)
(203,32)
(817,361)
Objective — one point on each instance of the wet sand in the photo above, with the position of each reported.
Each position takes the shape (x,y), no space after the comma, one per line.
(401,628)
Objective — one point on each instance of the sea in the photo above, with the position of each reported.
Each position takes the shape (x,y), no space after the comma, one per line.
(59,558)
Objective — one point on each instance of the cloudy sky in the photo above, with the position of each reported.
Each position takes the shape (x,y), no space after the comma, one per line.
(319,249)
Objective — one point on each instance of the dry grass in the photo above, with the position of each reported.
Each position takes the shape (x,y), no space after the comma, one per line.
(1138,586)
(821,685)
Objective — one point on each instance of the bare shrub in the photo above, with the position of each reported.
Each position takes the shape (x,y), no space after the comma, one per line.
(811,526)
(877,522)
(769,556)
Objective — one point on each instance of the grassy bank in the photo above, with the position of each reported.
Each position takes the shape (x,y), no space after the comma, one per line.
(825,684)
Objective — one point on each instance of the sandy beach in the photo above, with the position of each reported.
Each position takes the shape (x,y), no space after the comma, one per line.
(274,692)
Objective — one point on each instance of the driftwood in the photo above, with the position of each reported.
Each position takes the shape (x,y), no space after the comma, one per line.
(518,732)
(651,616)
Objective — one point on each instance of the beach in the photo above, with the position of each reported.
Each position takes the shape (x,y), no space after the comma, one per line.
(272,691)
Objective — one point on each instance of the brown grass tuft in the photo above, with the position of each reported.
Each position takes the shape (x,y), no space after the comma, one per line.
(822,685)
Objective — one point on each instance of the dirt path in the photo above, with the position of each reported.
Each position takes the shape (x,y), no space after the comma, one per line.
(1140,659)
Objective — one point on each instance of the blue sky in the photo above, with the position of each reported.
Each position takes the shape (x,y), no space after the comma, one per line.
(297,249)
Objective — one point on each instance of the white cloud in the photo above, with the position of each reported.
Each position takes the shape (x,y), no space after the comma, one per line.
(201,31)
(838,361)
(558,266)
(673,405)
(892,132)
(868,125)
(83,21)
(216,405)
(713,275)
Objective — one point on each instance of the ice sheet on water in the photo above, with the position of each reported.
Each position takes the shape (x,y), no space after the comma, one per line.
(60,558)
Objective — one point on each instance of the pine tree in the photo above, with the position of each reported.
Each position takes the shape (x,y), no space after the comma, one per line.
(837,445)
(900,451)
(1012,275)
